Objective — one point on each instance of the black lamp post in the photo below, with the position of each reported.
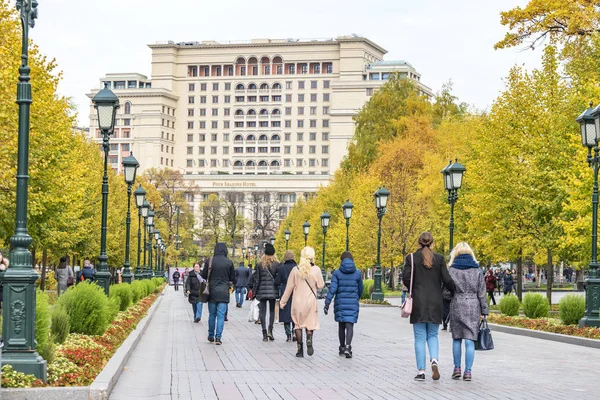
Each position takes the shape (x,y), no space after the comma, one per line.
(145,212)
(150,227)
(287,234)
(453,174)
(107,104)
(272,240)
(589,122)
(244,255)
(347,207)
(381,198)
(255,255)
(325,217)
(130,166)
(306,229)
(18,322)
(140,197)
(157,238)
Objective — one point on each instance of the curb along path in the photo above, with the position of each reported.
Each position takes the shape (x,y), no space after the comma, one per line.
(173,360)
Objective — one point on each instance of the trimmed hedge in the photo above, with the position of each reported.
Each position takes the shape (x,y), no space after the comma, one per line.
(123,293)
(87,306)
(509,305)
(45,346)
(572,309)
(535,305)
(138,291)
(369,286)
(60,325)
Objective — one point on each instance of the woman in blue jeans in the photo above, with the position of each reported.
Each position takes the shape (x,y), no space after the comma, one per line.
(468,305)
(429,274)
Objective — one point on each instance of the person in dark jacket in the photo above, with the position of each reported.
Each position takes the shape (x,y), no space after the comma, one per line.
(220,275)
(86,273)
(176,276)
(192,288)
(430,273)
(490,285)
(508,282)
(347,287)
(265,290)
(242,275)
(281,278)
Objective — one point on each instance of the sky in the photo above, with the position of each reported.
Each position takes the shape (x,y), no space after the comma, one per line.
(443,39)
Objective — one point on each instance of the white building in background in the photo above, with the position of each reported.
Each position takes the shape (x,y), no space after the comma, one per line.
(261,116)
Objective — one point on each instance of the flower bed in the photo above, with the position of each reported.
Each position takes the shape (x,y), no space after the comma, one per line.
(546,325)
(81,357)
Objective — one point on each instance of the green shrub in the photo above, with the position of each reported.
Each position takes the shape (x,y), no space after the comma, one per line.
(572,309)
(535,305)
(45,347)
(123,293)
(509,305)
(157,281)
(149,287)
(114,305)
(87,306)
(60,325)
(369,286)
(138,289)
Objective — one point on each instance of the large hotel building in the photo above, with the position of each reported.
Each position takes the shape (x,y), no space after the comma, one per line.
(267,117)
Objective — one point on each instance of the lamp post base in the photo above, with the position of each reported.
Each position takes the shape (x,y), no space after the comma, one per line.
(103,280)
(377,294)
(29,363)
(139,274)
(592,302)
(127,277)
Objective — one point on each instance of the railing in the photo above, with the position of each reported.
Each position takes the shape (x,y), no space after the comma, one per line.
(238,117)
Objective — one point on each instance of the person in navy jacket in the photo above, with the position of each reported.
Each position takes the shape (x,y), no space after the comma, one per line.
(347,287)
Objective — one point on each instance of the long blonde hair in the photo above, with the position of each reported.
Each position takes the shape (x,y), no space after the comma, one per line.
(266,261)
(461,248)
(307,257)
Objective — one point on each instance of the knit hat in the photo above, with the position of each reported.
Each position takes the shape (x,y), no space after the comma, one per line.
(269,249)
(288,256)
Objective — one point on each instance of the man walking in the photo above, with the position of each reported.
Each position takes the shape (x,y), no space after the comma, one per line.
(176,276)
(220,274)
(242,275)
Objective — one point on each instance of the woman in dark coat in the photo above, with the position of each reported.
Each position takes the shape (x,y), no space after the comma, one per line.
(508,282)
(430,273)
(467,307)
(192,288)
(283,273)
(347,287)
(265,290)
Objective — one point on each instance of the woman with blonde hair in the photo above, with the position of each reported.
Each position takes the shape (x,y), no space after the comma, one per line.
(467,307)
(304,283)
(265,290)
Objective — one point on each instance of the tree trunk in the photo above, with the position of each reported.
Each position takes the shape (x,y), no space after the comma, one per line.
(43,277)
(550,274)
(520,275)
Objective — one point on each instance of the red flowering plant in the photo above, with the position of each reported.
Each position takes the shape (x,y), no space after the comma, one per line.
(546,325)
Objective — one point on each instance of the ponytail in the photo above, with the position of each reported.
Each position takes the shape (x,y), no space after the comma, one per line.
(425,241)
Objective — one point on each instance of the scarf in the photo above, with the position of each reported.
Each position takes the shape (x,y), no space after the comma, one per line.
(464,261)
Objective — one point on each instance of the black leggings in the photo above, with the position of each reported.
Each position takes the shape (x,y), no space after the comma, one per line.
(345,333)
(263,311)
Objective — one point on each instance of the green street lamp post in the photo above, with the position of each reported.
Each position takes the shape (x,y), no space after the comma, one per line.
(107,104)
(287,234)
(255,255)
(381,198)
(130,166)
(164,253)
(272,240)
(18,322)
(157,238)
(145,212)
(589,122)
(140,197)
(306,229)
(347,208)
(325,217)
(244,255)
(150,229)
(453,174)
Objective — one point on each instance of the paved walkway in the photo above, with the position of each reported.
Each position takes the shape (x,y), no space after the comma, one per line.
(174,361)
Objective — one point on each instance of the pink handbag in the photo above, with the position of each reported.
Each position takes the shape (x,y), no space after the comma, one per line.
(408,302)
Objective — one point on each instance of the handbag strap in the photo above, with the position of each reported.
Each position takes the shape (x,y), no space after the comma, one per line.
(412,273)
(311,289)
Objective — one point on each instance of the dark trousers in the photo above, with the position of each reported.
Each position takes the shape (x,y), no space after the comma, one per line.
(491,294)
(289,328)
(176,284)
(263,313)
(345,333)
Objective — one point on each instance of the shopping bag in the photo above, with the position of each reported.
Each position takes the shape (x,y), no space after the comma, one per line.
(484,337)
(253,314)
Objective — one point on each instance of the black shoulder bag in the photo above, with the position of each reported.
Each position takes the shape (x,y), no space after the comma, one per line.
(204,289)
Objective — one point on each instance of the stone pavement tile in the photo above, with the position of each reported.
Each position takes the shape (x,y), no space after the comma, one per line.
(227,391)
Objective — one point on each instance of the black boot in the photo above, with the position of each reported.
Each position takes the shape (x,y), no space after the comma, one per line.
(348,351)
(309,344)
(300,352)
(342,350)
(270,335)
(265,337)
(289,338)
(293,338)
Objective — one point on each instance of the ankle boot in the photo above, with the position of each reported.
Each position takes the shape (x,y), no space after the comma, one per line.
(300,352)
(293,338)
(342,350)
(265,337)
(348,351)
(309,344)
(289,338)
(270,335)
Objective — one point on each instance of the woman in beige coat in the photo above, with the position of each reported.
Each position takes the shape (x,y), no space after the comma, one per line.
(304,282)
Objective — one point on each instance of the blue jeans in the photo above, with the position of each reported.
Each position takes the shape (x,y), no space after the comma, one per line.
(469,353)
(197,309)
(404,292)
(216,316)
(240,294)
(426,332)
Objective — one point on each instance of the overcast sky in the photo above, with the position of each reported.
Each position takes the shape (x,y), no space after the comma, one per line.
(442,39)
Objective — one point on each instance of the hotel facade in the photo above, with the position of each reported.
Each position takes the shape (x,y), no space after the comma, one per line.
(264,118)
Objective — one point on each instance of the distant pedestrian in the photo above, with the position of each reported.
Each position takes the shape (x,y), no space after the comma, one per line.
(265,290)
(430,273)
(304,282)
(281,280)
(220,275)
(490,285)
(176,276)
(508,282)
(242,275)
(468,306)
(499,281)
(87,272)
(192,289)
(63,275)
(347,287)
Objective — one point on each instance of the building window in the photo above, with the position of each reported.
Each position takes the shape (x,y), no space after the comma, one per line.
(267,70)
(326,110)
(300,110)
(292,69)
(263,149)
(213,137)
(202,125)
(203,87)
(325,149)
(226,125)
(313,123)
(299,162)
(275,149)
(250,149)
(239,124)
(215,86)
(325,96)
(264,124)
(326,84)
(299,136)
(228,86)
(279,70)
(313,111)
(127,108)
(192,71)
(215,99)
(125,133)
(314,84)
(227,99)
(189,163)
(225,150)
(190,150)
(226,137)
(202,112)
(206,71)
(201,137)
(213,150)
(251,124)
(312,136)
(288,98)
(300,98)
(190,137)
(215,112)
(191,87)
(312,149)
(264,98)
(287,149)
(238,150)
(325,123)
(288,111)
(255,70)
(201,163)
(201,150)
(190,112)
(190,124)
(288,123)
(203,99)
(239,99)
(300,123)
(225,163)
(252,99)
(288,85)
(276,98)
(288,136)
(369,92)
(287,162)
(214,124)
(313,97)
(311,162)
(300,84)
(190,99)
(226,111)
(325,162)
(299,149)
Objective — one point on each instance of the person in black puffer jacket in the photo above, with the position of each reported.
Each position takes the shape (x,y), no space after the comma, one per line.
(192,288)
(265,290)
